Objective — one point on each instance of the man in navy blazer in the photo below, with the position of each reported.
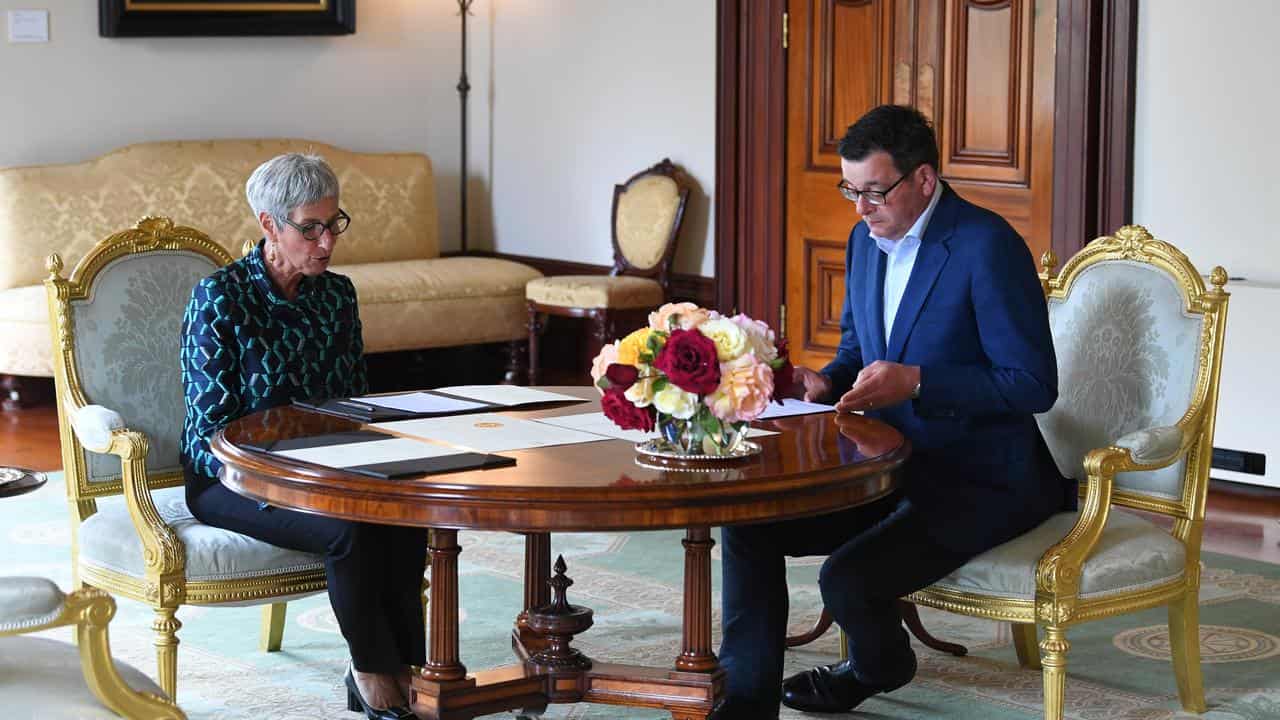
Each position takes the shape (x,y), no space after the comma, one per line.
(945,336)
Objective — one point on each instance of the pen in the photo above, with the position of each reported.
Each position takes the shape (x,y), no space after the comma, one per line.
(348,403)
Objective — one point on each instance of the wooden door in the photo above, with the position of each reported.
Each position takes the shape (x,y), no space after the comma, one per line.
(981,70)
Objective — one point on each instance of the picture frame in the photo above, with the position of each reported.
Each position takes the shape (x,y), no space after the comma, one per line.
(191,18)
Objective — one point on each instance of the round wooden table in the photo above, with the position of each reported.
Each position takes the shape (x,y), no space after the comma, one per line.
(816,464)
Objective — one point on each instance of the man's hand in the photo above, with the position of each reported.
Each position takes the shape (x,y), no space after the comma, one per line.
(809,386)
(880,384)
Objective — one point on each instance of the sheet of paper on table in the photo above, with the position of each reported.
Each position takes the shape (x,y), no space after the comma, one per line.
(791,406)
(369,453)
(598,424)
(488,432)
(422,402)
(506,395)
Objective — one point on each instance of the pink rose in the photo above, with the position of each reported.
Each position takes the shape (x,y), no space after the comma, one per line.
(746,385)
(600,365)
(691,316)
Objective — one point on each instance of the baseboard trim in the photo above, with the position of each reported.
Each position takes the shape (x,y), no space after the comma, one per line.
(693,288)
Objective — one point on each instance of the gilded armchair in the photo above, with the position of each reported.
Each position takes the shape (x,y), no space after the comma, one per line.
(1139,344)
(647,212)
(49,677)
(116,325)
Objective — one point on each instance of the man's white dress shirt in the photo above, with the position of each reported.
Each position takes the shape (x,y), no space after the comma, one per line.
(901,258)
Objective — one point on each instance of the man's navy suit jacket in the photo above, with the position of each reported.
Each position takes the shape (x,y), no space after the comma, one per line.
(973,317)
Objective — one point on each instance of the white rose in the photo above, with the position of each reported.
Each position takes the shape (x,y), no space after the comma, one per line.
(641,391)
(730,340)
(675,402)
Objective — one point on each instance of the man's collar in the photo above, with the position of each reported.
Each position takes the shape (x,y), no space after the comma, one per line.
(916,232)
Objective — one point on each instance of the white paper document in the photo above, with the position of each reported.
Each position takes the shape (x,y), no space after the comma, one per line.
(488,432)
(368,453)
(791,406)
(598,424)
(506,395)
(421,402)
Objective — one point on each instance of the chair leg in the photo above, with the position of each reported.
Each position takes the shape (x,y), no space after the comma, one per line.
(1184,645)
(272,627)
(100,672)
(818,630)
(535,328)
(1053,658)
(911,616)
(166,628)
(844,643)
(1024,642)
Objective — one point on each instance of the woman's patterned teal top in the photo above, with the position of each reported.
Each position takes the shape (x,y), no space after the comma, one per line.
(245,348)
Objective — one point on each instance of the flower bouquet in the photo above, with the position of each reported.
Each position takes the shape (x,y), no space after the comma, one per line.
(697,377)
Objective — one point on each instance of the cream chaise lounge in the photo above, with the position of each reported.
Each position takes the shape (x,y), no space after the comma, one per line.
(410,297)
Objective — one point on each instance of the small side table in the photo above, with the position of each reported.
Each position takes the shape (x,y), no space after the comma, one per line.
(19,481)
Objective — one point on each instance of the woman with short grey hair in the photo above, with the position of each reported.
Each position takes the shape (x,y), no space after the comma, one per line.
(270,328)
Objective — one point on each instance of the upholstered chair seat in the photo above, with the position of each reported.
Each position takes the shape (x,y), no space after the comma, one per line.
(1131,554)
(647,212)
(595,291)
(43,677)
(109,543)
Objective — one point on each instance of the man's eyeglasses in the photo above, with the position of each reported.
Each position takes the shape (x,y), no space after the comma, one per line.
(313,231)
(873,197)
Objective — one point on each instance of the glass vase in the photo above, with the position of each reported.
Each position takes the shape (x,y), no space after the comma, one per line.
(700,435)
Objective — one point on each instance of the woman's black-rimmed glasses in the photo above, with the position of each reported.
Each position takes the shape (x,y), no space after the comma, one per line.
(313,231)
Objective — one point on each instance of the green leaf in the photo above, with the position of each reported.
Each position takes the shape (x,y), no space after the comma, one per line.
(645,358)
(710,423)
(660,384)
(603,383)
(673,321)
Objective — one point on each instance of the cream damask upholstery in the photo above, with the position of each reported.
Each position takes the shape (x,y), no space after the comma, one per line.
(117,336)
(647,211)
(596,291)
(41,677)
(390,197)
(1139,343)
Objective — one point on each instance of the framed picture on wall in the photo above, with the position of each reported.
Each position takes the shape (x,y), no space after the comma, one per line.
(138,18)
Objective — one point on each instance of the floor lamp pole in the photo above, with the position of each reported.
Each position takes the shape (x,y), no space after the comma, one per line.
(464,87)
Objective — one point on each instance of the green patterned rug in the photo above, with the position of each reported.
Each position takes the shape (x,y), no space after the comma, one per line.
(1118,668)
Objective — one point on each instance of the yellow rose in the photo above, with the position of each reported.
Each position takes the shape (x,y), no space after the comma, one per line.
(632,345)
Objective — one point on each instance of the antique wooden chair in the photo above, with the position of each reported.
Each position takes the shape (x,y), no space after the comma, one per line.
(647,212)
(116,326)
(1139,344)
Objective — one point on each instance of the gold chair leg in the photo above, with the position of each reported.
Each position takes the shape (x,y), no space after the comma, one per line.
(1024,642)
(272,633)
(100,672)
(166,628)
(1053,657)
(1184,646)
(844,644)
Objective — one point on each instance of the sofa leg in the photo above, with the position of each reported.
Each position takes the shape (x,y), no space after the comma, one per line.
(20,392)
(536,326)
(517,363)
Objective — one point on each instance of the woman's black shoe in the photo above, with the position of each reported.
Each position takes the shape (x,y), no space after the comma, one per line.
(356,703)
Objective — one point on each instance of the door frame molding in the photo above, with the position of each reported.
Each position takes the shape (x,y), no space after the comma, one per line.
(1094,110)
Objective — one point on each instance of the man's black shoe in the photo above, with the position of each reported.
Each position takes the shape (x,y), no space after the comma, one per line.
(731,710)
(832,688)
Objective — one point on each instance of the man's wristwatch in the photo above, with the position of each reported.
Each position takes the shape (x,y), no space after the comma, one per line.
(915,392)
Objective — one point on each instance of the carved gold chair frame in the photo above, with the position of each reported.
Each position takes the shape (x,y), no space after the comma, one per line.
(1057,604)
(90,610)
(165,586)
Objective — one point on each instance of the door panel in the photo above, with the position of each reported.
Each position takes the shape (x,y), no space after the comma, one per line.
(981,70)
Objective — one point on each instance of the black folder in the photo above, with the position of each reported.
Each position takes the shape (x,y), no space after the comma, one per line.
(370,413)
(434,465)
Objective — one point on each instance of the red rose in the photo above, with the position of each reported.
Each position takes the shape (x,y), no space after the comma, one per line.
(621,376)
(689,360)
(783,373)
(624,413)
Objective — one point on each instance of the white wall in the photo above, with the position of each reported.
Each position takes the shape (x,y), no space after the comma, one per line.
(584,94)
(568,98)
(1206,153)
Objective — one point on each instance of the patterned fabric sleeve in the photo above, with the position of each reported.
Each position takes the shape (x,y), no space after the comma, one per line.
(359,381)
(210,373)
